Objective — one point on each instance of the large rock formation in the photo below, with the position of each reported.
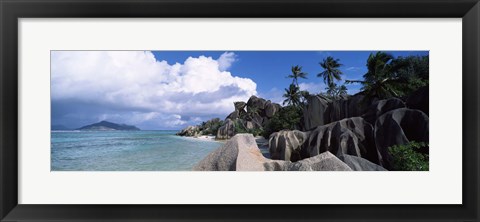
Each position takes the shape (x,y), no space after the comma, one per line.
(358,104)
(321,110)
(286,144)
(259,111)
(323,162)
(238,112)
(209,127)
(380,107)
(397,127)
(189,131)
(315,112)
(226,131)
(352,136)
(271,109)
(242,154)
(360,164)
(256,103)
(419,100)
(233,115)
(240,106)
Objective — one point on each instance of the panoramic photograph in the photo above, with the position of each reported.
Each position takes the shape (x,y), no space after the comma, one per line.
(239,110)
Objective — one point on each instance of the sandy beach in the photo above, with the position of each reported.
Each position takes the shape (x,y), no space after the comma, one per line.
(206,138)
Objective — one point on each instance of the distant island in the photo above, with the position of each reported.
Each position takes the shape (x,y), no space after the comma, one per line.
(108,126)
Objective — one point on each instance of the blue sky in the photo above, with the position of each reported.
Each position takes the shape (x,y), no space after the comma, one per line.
(173,89)
(269,68)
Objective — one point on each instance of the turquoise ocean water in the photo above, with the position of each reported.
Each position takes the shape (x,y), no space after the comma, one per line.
(126,151)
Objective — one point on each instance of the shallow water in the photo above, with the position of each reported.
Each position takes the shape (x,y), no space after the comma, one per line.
(126,151)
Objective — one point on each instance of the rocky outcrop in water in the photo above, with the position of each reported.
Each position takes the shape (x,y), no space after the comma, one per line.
(189,131)
(242,154)
(209,127)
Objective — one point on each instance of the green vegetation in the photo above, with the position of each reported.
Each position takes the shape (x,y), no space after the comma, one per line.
(304,98)
(408,158)
(413,70)
(240,128)
(293,96)
(334,91)
(251,113)
(211,126)
(297,73)
(379,81)
(388,77)
(287,118)
(330,70)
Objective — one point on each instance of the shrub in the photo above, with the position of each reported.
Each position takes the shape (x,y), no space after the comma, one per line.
(211,126)
(287,118)
(240,128)
(256,131)
(408,158)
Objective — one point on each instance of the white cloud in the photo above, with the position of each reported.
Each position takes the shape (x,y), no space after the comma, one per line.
(174,120)
(226,60)
(135,80)
(312,88)
(353,68)
(275,95)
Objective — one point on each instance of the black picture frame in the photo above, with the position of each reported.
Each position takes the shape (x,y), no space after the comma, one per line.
(12,10)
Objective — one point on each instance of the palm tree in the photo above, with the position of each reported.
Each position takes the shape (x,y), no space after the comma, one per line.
(304,94)
(297,73)
(330,70)
(380,81)
(342,90)
(332,90)
(379,66)
(292,95)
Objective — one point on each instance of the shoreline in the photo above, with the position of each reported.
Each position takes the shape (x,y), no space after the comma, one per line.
(204,138)
(262,143)
(258,139)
